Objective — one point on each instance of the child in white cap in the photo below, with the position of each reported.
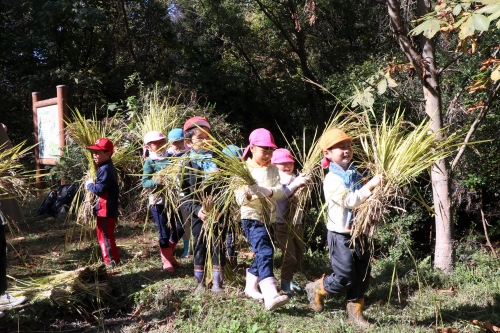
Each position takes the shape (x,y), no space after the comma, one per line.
(169,225)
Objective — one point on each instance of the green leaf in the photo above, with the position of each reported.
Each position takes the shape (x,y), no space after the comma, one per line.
(382,86)
(489,9)
(466,29)
(480,22)
(495,75)
(429,28)
(433,28)
(457,10)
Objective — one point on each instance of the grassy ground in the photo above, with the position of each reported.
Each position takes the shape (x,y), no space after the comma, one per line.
(138,296)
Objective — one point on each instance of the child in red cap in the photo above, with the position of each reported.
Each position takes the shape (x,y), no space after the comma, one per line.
(344,190)
(106,188)
(199,167)
(257,156)
(289,231)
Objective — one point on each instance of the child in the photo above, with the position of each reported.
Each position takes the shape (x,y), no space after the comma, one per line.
(350,262)
(106,209)
(289,230)
(197,169)
(234,152)
(258,160)
(177,148)
(168,223)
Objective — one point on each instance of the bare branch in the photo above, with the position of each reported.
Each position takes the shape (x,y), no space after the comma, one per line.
(481,115)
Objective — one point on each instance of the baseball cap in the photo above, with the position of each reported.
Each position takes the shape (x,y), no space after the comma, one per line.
(102,144)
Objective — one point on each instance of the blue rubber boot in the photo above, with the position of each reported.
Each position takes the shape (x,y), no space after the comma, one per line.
(285,286)
(294,287)
(198,275)
(186,248)
(218,274)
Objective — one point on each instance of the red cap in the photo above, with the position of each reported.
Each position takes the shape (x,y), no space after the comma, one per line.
(196,121)
(102,144)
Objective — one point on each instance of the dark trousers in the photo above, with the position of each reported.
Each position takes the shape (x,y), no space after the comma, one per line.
(3,260)
(262,246)
(351,266)
(106,236)
(217,239)
(169,225)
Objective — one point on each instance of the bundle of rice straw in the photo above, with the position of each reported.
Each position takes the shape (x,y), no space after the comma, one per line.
(82,289)
(308,161)
(85,132)
(400,151)
(158,115)
(14,182)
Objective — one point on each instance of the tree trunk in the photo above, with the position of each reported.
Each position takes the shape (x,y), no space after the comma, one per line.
(425,67)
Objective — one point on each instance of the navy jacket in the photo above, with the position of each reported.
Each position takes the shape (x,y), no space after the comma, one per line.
(106,188)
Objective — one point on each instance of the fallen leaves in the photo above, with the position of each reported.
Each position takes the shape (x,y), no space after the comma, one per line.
(486,325)
(451,290)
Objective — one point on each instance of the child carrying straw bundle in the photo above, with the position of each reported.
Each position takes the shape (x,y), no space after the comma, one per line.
(106,188)
(258,209)
(344,190)
(195,187)
(167,220)
(289,230)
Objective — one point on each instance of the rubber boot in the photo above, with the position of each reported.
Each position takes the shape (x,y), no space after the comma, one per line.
(165,253)
(294,286)
(218,278)
(252,287)
(316,294)
(355,313)
(199,271)
(285,286)
(186,248)
(272,299)
(172,259)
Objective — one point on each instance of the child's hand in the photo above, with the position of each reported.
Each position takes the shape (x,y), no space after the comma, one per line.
(301,180)
(89,181)
(375,181)
(202,215)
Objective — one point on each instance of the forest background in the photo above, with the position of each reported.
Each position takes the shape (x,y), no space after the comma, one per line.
(251,62)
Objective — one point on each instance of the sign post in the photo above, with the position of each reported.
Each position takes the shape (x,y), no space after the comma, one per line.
(48,121)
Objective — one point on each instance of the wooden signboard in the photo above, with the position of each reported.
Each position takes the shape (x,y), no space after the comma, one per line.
(48,121)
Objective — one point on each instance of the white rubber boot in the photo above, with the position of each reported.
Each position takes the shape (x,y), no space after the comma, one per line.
(272,299)
(252,287)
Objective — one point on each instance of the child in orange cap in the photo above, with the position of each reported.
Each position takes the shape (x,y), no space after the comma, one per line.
(344,190)
(106,209)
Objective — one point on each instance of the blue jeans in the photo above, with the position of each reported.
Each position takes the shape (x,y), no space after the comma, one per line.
(169,227)
(262,246)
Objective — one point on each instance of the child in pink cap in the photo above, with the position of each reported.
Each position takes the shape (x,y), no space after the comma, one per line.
(289,231)
(257,156)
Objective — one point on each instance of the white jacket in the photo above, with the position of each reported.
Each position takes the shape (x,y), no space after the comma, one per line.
(266,176)
(340,201)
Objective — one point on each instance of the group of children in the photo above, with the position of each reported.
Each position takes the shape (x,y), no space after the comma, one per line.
(271,201)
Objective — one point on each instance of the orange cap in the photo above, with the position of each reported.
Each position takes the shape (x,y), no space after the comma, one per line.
(331,137)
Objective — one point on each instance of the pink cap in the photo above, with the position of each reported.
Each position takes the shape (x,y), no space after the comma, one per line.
(196,121)
(102,144)
(260,137)
(282,156)
(154,136)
